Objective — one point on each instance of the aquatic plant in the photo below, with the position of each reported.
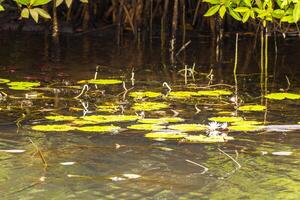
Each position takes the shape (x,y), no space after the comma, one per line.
(206,139)
(226,119)
(53,128)
(110,118)
(101,129)
(166,135)
(146,127)
(283,95)
(188,127)
(149,106)
(100,81)
(23,85)
(252,108)
(2,80)
(60,118)
(143,94)
(108,108)
(214,93)
(245,128)
(163,120)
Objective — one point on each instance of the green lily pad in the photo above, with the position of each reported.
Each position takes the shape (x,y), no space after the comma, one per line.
(246,123)
(110,118)
(60,118)
(206,139)
(101,129)
(22,85)
(108,108)
(53,128)
(166,135)
(100,81)
(281,96)
(163,120)
(245,128)
(213,93)
(252,108)
(181,94)
(226,119)
(146,127)
(149,106)
(225,113)
(188,127)
(142,94)
(3,80)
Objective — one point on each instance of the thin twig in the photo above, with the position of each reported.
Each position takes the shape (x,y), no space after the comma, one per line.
(236,162)
(40,153)
(183,47)
(205,168)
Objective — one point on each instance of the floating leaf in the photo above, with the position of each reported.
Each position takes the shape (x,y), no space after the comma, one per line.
(246,123)
(146,127)
(54,128)
(214,93)
(2,80)
(226,119)
(181,94)
(60,118)
(108,108)
(163,120)
(206,139)
(252,108)
(142,94)
(245,128)
(101,129)
(281,96)
(101,81)
(22,85)
(148,106)
(188,127)
(110,118)
(166,135)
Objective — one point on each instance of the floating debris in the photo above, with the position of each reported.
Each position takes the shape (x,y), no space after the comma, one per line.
(67,163)
(282,153)
(12,150)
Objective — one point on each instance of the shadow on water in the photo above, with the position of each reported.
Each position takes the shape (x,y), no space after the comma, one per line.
(92,165)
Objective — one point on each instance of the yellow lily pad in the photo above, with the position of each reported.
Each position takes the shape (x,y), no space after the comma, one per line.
(166,135)
(149,106)
(213,93)
(281,96)
(246,123)
(188,127)
(206,139)
(181,94)
(245,128)
(163,120)
(100,81)
(53,128)
(143,94)
(252,108)
(101,129)
(110,118)
(23,85)
(60,118)
(146,127)
(3,80)
(108,108)
(226,119)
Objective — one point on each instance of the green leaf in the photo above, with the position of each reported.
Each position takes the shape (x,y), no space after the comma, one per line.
(1,8)
(43,13)
(58,2)
(40,2)
(23,2)
(241,9)
(213,2)
(288,18)
(246,16)
(222,11)
(68,3)
(234,14)
(25,13)
(35,15)
(84,1)
(247,2)
(212,10)
(296,12)
(278,13)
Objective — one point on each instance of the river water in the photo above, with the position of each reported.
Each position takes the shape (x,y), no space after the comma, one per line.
(124,164)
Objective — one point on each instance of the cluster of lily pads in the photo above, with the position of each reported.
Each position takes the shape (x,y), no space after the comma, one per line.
(112,119)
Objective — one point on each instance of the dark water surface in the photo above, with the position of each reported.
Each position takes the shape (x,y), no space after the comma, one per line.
(101,160)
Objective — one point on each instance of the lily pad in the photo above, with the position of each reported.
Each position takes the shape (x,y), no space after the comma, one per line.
(110,118)
(53,128)
(23,85)
(226,119)
(148,106)
(3,80)
(142,94)
(166,135)
(213,93)
(281,96)
(163,120)
(60,118)
(101,129)
(181,94)
(146,127)
(108,108)
(188,127)
(100,81)
(246,123)
(245,128)
(206,139)
(252,108)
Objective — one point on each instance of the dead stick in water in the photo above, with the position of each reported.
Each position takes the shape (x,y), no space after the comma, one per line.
(236,162)
(40,153)
(205,168)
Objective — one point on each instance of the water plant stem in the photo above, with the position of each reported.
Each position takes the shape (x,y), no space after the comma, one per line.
(236,162)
